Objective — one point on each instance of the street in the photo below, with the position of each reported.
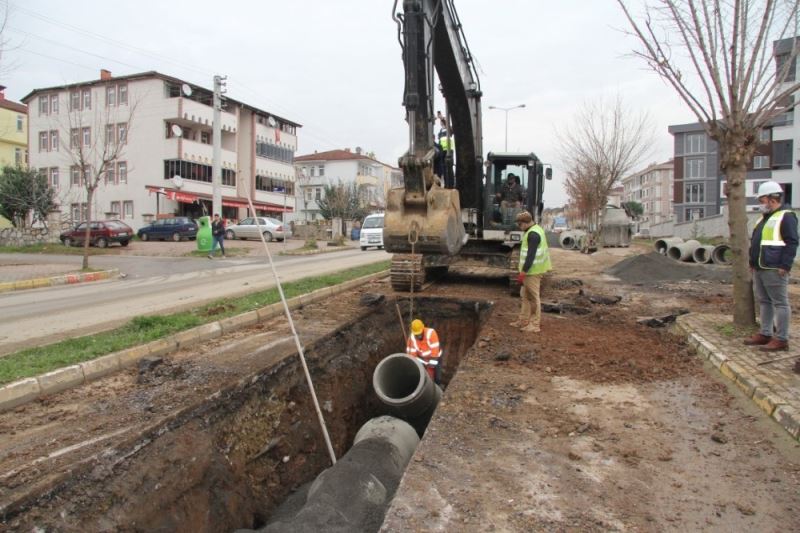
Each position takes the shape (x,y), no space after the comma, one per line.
(153,285)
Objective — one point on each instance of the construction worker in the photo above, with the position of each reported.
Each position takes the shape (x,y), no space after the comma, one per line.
(534,262)
(423,343)
(772,250)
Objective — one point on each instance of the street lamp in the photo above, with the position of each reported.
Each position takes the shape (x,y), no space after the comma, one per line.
(507,109)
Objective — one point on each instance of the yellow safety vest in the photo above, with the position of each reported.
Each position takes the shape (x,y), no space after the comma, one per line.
(541,263)
(771,235)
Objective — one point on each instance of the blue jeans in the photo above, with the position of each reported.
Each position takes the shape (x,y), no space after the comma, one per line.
(217,240)
(772,294)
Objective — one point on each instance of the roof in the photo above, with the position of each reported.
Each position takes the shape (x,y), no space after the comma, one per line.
(337,155)
(14,106)
(148,75)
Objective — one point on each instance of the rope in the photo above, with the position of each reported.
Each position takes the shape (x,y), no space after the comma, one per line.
(294,334)
(413,236)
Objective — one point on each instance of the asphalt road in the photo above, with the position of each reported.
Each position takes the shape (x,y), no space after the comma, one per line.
(153,285)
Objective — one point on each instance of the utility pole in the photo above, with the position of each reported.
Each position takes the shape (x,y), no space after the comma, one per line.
(216,170)
(507,109)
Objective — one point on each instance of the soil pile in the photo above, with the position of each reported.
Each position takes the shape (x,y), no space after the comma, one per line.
(654,267)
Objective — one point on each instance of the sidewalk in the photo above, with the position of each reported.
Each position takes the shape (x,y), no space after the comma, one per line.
(774,387)
(17,271)
(20,276)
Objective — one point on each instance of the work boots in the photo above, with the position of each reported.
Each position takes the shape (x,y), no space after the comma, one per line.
(757,340)
(775,345)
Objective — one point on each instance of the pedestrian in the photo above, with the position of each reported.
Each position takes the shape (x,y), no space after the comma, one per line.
(217,236)
(423,344)
(772,250)
(534,262)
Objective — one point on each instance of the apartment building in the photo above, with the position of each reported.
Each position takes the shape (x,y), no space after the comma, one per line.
(652,188)
(13,132)
(785,131)
(164,127)
(373,178)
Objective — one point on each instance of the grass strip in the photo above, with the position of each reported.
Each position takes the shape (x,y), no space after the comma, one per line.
(143,329)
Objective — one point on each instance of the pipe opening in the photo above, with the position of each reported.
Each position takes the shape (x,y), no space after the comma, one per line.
(398,379)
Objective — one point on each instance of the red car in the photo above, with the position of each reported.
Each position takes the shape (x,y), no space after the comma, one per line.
(101,233)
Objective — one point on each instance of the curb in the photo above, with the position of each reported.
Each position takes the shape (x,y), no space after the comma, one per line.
(331,249)
(66,279)
(26,390)
(772,403)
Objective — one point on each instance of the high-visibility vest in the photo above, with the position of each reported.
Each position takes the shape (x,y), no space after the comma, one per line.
(541,263)
(426,349)
(444,143)
(771,235)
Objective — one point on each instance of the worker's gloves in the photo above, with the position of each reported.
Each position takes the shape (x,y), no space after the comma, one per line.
(521,278)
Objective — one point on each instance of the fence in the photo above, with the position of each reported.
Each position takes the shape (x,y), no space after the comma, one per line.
(708,227)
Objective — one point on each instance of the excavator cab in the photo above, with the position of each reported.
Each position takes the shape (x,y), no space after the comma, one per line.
(514,183)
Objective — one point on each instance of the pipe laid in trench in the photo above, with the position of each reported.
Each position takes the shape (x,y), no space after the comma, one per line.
(702,254)
(403,385)
(683,251)
(662,245)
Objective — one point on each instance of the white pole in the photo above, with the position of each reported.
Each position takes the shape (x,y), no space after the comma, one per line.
(216,171)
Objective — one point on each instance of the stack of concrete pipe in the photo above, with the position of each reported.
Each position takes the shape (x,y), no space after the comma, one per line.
(570,240)
(683,251)
(691,250)
(662,245)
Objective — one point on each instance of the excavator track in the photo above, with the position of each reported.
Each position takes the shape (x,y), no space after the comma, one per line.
(513,270)
(404,269)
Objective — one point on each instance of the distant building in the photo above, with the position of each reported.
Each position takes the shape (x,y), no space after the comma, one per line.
(785,134)
(13,132)
(169,135)
(651,187)
(373,178)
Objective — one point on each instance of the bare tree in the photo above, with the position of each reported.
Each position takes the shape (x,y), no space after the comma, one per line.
(97,138)
(601,147)
(717,55)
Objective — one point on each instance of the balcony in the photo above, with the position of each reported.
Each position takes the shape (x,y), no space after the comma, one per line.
(195,114)
(198,152)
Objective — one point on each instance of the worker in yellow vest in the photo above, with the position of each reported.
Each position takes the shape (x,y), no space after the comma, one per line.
(534,262)
(773,247)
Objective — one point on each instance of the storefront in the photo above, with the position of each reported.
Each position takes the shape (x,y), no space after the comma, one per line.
(195,205)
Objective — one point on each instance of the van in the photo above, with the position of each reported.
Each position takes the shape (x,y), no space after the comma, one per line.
(372,232)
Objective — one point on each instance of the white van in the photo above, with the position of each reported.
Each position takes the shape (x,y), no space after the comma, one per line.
(372,231)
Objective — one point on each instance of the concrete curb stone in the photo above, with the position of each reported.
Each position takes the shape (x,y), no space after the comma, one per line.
(102,366)
(61,379)
(235,322)
(65,279)
(203,333)
(19,392)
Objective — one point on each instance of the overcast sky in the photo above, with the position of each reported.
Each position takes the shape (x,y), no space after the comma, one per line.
(336,68)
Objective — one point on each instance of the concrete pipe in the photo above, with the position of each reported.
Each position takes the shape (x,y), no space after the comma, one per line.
(683,251)
(720,254)
(403,385)
(662,245)
(702,254)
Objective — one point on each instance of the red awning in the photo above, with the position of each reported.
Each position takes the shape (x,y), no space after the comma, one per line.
(191,197)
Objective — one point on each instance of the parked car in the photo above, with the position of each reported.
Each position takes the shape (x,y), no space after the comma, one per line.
(372,231)
(177,228)
(101,233)
(272,228)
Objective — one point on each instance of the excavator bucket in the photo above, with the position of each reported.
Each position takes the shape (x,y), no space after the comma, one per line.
(434,226)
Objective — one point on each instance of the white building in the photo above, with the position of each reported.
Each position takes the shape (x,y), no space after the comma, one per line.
(373,178)
(166,125)
(653,188)
(785,162)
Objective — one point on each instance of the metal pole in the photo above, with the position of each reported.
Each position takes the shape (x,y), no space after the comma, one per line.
(506,145)
(216,171)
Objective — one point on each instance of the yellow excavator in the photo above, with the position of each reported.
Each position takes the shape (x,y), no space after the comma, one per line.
(438,219)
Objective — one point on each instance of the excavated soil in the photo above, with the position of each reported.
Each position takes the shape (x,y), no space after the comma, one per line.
(654,267)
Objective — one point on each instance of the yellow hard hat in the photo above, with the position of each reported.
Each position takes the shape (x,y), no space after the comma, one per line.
(417,326)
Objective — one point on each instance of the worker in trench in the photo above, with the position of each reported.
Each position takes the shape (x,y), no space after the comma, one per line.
(423,344)
(534,262)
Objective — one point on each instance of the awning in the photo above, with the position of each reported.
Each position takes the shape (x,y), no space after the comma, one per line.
(227,201)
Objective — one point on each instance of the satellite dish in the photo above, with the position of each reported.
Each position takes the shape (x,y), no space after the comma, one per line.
(187,91)
(271,121)
(177,181)
(177,131)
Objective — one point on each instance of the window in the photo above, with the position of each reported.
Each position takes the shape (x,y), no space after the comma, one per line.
(195,171)
(54,177)
(74,138)
(122,171)
(782,154)
(322,170)
(695,168)
(764,136)
(86,99)
(18,156)
(273,151)
(127,209)
(760,161)
(43,172)
(43,141)
(695,193)
(205,137)
(74,101)
(309,194)
(787,117)
(111,95)
(264,183)
(110,174)
(115,208)
(694,143)
(318,193)
(87,136)
(54,104)
(44,105)
(123,95)
(54,140)
(122,132)
(75,176)
(20,123)
(111,138)
(695,213)
(312,171)
(780,65)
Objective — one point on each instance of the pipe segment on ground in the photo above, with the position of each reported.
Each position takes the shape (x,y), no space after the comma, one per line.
(702,254)
(718,255)
(662,245)
(683,251)
(403,385)
(569,239)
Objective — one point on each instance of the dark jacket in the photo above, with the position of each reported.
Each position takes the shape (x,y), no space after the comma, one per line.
(218,228)
(512,193)
(533,244)
(775,256)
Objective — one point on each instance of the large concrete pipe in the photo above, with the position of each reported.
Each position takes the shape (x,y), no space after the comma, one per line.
(403,385)
(353,494)
(683,251)
(702,254)
(720,254)
(569,239)
(662,245)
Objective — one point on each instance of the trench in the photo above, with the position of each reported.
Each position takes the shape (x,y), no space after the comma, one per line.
(228,462)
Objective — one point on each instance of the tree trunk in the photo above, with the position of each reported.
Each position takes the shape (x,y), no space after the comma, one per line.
(743,301)
(87,235)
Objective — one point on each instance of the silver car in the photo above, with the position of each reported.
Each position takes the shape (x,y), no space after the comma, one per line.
(248,228)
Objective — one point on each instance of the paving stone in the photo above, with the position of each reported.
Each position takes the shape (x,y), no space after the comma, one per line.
(102,366)
(18,393)
(61,379)
(789,418)
(234,323)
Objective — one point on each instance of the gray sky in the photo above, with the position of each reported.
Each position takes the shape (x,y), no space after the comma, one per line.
(335,66)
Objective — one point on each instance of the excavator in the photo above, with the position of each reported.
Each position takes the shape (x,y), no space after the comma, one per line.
(429,227)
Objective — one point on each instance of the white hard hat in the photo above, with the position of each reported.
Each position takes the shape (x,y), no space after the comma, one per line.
(769,187)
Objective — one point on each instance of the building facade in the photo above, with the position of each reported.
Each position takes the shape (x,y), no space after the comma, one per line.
(164,128)
(652,188)
(13,132)
(373,178)
(785,134)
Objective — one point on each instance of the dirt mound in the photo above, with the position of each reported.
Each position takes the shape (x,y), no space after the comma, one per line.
(654,267)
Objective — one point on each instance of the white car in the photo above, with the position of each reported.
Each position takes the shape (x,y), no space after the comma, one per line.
(248,228)
(372,232)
